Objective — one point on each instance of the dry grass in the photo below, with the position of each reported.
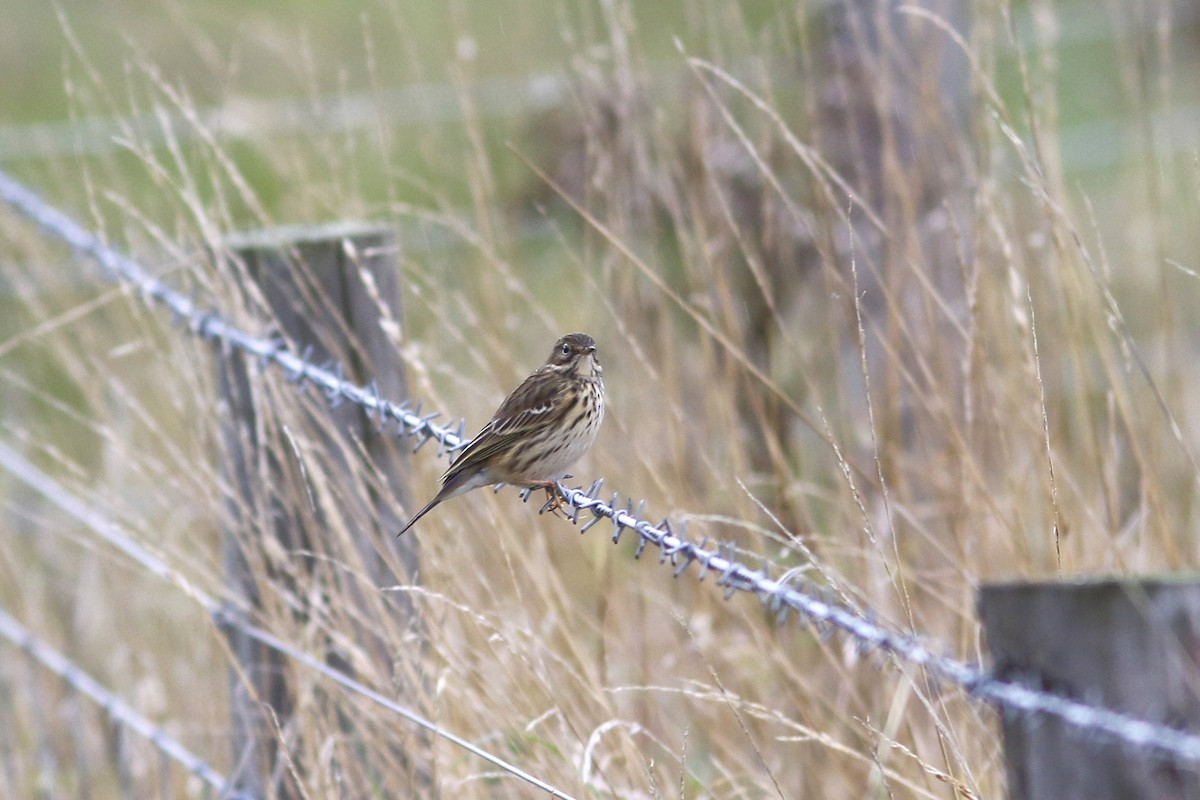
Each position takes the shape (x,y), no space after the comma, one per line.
(853,313)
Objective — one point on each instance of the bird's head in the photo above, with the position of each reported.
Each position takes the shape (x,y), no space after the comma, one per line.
(576,353)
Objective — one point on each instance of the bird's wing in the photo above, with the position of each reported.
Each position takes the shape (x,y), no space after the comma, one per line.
(531,405)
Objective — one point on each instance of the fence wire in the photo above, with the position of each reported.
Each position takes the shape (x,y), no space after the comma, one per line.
(415,104)
(1087,145)
(116,708)
(226,616)
(776,593)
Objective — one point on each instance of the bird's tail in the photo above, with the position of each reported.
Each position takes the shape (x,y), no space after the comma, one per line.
(428,507)
(456,483)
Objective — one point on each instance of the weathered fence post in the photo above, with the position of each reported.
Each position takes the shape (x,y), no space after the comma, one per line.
(312,281)
(1132,646)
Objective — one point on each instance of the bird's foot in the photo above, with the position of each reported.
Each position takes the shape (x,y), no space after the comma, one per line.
(554,501)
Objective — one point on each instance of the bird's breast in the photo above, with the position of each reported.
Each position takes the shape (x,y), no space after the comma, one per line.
(564,444)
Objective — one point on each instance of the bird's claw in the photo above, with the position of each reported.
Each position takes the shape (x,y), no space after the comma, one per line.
(554,502)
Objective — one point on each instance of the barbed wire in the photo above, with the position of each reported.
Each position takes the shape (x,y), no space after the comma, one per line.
(112,704)
(227,616)
(775,593)
(781,598)
(209,324)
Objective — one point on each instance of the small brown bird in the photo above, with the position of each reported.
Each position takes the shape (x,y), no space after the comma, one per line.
(539,431)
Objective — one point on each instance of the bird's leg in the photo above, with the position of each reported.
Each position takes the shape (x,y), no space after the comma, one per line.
(554,500)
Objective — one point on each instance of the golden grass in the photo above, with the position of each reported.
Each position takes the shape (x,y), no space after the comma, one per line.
(849,318)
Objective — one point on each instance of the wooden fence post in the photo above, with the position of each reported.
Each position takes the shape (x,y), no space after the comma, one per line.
(312,281)
(1132,646)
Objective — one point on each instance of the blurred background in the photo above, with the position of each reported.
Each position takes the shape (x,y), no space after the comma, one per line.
(902,295)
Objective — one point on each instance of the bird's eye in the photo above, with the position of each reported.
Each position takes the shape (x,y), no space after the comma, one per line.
(566,349)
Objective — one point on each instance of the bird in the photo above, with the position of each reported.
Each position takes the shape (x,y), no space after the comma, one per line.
(543,427)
